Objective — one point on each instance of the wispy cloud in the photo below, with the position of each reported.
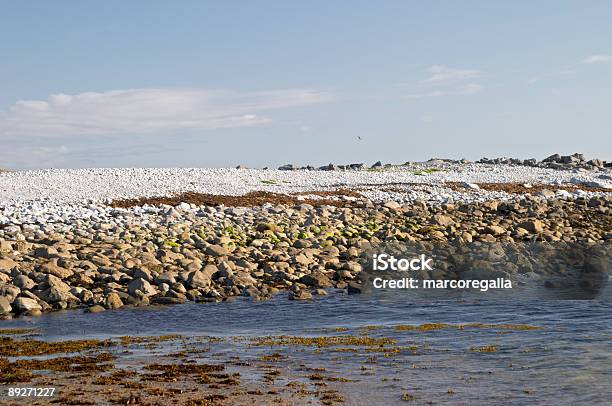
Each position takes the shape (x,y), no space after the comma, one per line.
(469,88)
(143,111)
(593,59)
(443,75)
(445,81)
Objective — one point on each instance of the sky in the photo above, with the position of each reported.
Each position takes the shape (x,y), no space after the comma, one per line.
(222,83)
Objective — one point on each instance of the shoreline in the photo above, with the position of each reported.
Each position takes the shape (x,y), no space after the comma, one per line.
(211,254)
(100,239)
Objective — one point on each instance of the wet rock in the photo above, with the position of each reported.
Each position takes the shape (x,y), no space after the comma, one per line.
(95,309)
(300,295)
(167,300)
(354,288)
(113,301)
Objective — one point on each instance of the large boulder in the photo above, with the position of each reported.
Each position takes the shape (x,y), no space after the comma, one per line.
(58,291)
(52,268)
(113,301)
(202,278)
(140,287)
(25,304)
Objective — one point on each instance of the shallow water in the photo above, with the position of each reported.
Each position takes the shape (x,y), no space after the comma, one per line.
(567,361)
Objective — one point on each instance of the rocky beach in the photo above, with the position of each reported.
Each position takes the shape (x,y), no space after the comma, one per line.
(90,243)
(98,239)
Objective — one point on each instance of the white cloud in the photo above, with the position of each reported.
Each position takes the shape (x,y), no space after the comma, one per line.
(469,88)
(597,59)
(143,111)
(427,119)
(443,75)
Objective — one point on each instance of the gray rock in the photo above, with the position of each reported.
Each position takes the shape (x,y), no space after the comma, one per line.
(140,287)
(203,278)
(287,167)
(46,252)
(23,282)
(24,304)
(468,185)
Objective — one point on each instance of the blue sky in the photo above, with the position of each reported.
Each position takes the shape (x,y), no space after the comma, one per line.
(202,83)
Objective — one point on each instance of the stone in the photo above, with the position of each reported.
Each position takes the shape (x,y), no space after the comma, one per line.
(7,264)
(553,158)
(533,226)
(316,280)
(354,288)
(51,267)
(393,205)
(5,306)
(95,309)
(166,277)
(24,304)
(10,292)
(140,287)
(495,230)
(58,291)
(597,163)
(300,295)
(443,220)
(167,300)
(113,301)
(468,185)
(46,252)
(200,279)
(546,193)
(216,251)
(287,167)
(23,282)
